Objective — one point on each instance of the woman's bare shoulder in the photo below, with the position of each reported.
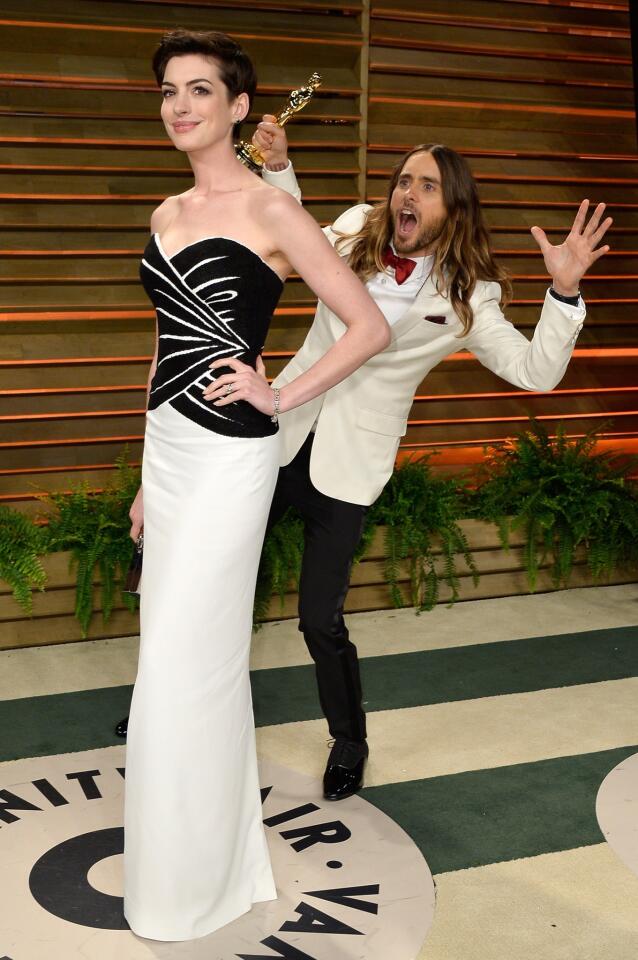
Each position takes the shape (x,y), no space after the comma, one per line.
(270,198)
(162,215)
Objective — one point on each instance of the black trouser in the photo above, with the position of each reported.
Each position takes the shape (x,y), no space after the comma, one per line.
(332,531)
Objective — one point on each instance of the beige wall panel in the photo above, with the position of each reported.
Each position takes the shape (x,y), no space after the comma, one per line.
(65,629)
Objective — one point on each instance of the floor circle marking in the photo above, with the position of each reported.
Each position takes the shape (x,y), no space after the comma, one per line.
(61,832)
(617,811)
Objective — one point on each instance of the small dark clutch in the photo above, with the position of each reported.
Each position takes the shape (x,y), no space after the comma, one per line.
(134,572)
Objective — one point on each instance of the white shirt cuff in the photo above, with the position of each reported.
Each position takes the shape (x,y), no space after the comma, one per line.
(284,179)
(277,173)
(576,312)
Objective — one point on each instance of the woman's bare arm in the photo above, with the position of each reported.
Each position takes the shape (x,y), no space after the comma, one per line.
(136,513)
(366,332)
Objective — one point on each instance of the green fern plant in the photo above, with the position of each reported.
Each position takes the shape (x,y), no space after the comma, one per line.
(562,494)
(420,514)
(280,565)
(95,528)
(21,545)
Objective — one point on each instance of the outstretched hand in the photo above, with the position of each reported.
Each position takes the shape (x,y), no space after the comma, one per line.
(569,261)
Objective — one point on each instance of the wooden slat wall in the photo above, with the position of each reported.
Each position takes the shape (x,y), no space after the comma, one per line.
(537,95)
(83,160)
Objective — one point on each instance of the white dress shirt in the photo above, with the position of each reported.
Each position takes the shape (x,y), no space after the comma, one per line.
(394,299)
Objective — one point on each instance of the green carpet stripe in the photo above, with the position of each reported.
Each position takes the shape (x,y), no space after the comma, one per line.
(61,723)
(461,820)
(287,694)
(505,813)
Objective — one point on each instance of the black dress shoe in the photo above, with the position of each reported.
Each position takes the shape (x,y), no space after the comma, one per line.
(121,728)
(344,771)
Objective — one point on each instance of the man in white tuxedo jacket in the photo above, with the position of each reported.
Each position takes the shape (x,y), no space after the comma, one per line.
(424,256)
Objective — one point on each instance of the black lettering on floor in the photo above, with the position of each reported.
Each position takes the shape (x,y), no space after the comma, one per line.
(312,920)
(86,779)
(333,832)
(347,897)
(286,951)
(48,791)
(11,801)
(293,814)
(59,881)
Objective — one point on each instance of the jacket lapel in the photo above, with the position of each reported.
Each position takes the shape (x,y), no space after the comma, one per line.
(428,300)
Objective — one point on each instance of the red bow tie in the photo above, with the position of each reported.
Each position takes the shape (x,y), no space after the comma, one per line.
(403,266)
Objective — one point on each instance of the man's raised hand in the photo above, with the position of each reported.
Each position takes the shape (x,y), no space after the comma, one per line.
(569,261)
(271,141)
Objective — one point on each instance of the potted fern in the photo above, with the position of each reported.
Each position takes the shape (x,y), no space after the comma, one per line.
(22,544)
(565,497)
(94,527)
(419,513)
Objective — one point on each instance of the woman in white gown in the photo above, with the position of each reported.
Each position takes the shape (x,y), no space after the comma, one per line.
(195,852)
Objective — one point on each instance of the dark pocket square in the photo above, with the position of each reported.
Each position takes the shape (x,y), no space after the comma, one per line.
(435,319)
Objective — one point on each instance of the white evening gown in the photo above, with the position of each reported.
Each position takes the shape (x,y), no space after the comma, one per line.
(195,850)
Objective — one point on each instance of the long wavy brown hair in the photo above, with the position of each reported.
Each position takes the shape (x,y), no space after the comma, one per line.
(463,255)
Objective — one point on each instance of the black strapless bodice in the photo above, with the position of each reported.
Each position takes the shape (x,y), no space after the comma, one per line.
(214,299)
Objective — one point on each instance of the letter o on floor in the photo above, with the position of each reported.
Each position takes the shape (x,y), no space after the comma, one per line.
(59,880)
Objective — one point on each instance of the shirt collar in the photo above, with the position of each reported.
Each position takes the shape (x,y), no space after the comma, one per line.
(423,265)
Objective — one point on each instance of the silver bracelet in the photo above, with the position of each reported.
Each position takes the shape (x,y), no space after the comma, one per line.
(275,416)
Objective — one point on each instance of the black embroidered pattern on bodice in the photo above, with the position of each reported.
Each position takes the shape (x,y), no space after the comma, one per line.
(214,298)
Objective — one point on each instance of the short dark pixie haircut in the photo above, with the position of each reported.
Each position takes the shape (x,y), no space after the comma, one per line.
(235,67)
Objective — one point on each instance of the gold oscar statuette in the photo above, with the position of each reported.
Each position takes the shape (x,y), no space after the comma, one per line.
(297,100)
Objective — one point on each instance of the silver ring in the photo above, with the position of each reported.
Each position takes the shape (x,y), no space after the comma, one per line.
(229,389)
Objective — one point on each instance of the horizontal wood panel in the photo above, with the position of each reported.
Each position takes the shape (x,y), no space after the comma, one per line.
(435,83)
(29,436)
(55,624)
(440,127)
(537,96)
(601,13)
(65,629)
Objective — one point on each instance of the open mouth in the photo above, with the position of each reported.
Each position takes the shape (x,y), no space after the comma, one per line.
(406,222)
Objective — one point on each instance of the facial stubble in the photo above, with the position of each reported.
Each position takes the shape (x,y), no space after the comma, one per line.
(431,232)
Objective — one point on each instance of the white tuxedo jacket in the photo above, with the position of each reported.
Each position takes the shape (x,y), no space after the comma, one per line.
(362,419)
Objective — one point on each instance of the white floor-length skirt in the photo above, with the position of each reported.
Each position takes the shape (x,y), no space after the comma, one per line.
(195,854)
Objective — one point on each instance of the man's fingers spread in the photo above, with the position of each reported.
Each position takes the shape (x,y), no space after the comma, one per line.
(541,238)
(601,231)
(594,220)
(579,219)
(599,253)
